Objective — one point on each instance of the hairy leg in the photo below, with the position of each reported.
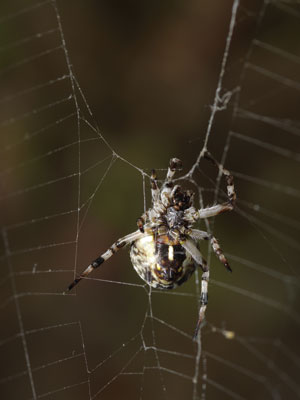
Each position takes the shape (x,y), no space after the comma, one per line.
(105,256)
(202,235)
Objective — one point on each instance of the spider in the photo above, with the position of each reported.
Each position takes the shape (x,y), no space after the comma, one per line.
(164,250)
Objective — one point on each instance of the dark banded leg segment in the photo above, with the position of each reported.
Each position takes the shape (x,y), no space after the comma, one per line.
(202,235)
(167,190)
(229,205)
(105,256)
(174,165)
(228,177)
(142,221)
(217,249)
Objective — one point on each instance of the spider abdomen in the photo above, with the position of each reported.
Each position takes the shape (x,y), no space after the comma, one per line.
(161,263)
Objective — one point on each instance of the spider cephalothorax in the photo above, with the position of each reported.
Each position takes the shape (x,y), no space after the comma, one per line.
(164,250)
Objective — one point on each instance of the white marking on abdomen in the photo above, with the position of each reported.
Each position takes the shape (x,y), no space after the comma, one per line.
(171,253)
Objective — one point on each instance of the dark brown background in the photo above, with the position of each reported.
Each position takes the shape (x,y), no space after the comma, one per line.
(149,71)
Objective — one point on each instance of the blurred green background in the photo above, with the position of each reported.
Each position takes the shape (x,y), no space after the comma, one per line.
(72,155)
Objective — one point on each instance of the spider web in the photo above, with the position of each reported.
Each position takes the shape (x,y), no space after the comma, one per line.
(164,82)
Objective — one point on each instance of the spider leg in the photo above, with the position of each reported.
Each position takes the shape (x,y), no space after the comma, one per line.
(105,256)
(174,165)
(154,188)
(142,221)
(190,246)
(214,210)
(202,235)
(203,301)
(228,177)
(229,205)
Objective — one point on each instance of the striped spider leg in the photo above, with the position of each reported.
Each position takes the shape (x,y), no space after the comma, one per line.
(229,205)
(202,235)
(164,250)
(105,256)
